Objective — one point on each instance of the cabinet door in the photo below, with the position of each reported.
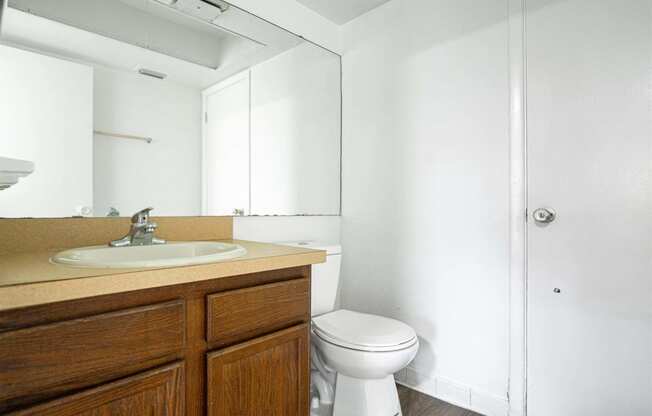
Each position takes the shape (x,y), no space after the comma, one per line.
(155,393)
(268,376)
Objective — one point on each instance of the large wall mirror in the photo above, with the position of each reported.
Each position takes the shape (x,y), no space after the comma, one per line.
(193,107)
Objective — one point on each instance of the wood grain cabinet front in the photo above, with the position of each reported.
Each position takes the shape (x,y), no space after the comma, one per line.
(41,362)
(159,392)
(268,376)
(242,314)
(236,346)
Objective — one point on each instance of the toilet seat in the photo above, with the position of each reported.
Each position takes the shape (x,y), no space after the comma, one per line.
(363,332)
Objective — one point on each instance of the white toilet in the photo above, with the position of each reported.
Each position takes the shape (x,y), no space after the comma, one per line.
(354,355)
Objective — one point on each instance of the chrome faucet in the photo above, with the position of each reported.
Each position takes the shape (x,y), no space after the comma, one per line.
(141,232)
(113,212)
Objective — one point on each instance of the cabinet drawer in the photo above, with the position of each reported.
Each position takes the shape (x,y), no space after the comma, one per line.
(243,314)
(48,360)
(159,392)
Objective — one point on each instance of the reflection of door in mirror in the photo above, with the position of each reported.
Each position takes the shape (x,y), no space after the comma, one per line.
(43,95)
(272,137)
(295,133)
(226,147)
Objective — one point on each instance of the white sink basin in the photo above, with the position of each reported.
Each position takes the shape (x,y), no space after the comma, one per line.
(163,255)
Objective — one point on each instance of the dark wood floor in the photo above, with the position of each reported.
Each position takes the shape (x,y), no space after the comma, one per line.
(414,403)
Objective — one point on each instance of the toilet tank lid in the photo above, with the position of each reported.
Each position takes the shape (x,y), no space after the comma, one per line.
(330,248)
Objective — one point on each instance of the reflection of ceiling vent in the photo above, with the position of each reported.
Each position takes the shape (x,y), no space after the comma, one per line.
(151,73)
(201,9)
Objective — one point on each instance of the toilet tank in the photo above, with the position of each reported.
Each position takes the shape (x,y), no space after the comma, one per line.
(325,276)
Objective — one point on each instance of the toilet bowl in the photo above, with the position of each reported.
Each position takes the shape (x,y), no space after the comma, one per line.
(362,352)
(354,355)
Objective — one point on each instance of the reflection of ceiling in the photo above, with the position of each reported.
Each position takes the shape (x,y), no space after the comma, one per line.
(341,11)
(132,34)
(148,24)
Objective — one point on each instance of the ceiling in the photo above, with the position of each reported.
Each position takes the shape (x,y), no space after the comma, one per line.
(341,11)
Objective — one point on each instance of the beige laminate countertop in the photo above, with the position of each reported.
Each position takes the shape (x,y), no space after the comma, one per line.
(28,279)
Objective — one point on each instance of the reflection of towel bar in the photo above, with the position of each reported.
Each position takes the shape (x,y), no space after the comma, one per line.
(123,136)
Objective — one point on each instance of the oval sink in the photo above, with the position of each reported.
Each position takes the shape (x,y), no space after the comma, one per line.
(164,255)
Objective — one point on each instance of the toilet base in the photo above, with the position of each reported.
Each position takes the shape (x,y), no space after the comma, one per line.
(357,397)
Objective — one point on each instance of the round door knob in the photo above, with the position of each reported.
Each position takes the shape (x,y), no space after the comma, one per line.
(544,215)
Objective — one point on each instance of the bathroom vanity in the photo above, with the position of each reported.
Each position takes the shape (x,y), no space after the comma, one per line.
(225,338)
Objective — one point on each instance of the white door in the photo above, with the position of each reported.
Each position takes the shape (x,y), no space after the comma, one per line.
(226,148)
(589,115)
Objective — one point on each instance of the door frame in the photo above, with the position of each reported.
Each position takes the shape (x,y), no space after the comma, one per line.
(517,381)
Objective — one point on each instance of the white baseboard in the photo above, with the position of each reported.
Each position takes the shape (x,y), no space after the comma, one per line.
(454,393)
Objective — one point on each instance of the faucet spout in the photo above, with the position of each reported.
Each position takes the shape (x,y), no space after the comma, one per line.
(141,232)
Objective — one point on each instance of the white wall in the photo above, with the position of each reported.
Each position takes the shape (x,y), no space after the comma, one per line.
(425,225)
(46,116)
(130,174)
(295,133)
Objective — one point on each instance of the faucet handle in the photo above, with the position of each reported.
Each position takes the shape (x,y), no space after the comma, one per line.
(141,217)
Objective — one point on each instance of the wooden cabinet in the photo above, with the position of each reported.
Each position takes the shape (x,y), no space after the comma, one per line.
(230,346)
(154,393)
(268,376)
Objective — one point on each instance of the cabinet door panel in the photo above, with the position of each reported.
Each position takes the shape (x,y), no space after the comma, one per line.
(268,376)
(158,392)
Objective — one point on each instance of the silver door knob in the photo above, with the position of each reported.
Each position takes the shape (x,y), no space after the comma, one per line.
(544,215)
